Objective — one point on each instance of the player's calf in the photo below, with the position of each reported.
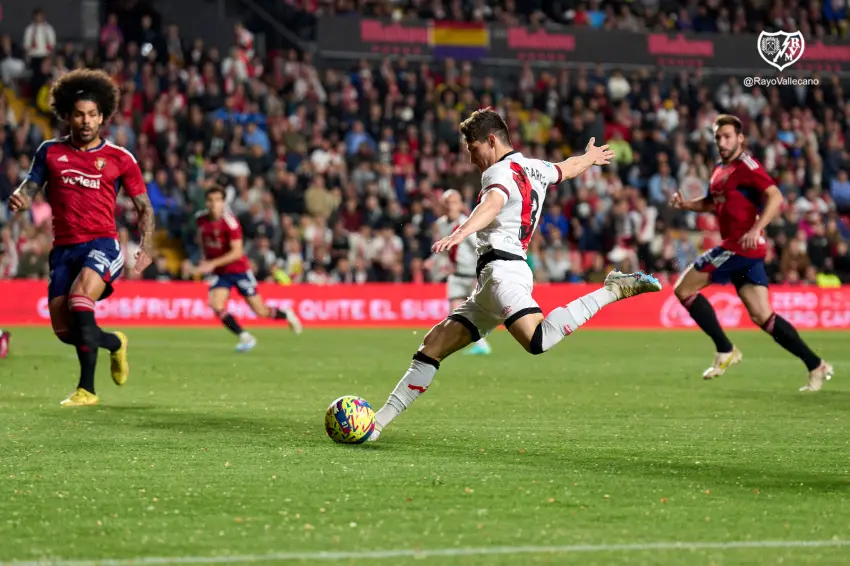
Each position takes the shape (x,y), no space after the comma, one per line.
(229,322)
(786,335)
(88,338)
(563,321)
(275,313)
(441,341)
(66,336)
(107,340)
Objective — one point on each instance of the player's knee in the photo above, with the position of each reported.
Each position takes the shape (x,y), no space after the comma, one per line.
(760,318)
(682,290)
(535,345)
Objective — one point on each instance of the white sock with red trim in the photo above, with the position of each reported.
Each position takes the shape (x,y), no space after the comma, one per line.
(415,382)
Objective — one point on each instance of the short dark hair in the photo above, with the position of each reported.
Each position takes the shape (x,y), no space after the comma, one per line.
(85,84)
(729,120)
(215,189)
(482,123)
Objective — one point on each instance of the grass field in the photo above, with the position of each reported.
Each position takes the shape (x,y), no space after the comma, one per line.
(612,439)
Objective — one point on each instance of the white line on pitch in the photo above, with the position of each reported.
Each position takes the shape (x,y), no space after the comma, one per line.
(443,552)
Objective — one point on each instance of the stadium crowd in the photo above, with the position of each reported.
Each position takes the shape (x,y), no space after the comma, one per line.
(336,173)
(814,18)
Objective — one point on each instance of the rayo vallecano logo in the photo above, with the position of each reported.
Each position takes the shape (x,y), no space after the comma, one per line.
(781,49)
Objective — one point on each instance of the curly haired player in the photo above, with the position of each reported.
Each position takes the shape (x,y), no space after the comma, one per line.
(81,174)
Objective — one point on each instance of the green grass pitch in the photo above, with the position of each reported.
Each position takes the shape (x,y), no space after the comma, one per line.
(611,439)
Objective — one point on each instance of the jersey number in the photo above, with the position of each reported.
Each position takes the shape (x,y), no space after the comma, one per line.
(530,204)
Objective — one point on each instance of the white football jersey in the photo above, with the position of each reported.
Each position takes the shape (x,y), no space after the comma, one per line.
(463,256)
(523,183)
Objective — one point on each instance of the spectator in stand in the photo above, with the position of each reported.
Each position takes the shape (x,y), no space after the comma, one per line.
(39,43)
(336,175)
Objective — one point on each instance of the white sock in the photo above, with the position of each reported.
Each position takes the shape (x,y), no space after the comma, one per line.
(483,343)
(563,321)
(415,382)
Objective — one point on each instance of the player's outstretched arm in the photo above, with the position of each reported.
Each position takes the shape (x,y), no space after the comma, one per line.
(21,199)
(703,204)
(146,226)
(481,217)
(593,155)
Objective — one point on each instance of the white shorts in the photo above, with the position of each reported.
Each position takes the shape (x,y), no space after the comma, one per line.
(503,295)
(460,287)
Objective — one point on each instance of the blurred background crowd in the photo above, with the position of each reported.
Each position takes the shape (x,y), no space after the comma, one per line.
(336,171)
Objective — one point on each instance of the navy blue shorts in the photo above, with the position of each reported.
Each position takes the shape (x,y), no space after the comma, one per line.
(102,255)
(725,267)
(245,283)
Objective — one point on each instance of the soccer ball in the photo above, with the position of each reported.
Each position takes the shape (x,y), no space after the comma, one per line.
(349,420)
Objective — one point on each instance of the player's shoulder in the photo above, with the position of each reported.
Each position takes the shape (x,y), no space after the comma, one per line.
(498,170)
(231,221)
(120,152)
(748,161)
(201,216)
(52,142)
(533,162)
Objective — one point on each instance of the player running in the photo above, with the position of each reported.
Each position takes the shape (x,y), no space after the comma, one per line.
(82,174)
(746,200)
(461,281)
(224,258)
(509,206)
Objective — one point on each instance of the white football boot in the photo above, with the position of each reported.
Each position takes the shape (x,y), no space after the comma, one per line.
(818,376)
(246,343)
(626,285)
(722,361)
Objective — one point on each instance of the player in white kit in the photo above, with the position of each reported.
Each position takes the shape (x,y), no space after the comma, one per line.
(513,188)
(461,281)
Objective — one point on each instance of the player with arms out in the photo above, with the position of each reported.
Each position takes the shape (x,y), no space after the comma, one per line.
(745,200)
(461,281)
(513,188)
(224,259)
(82,174)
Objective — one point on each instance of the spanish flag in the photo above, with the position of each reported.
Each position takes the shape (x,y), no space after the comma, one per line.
(459,40)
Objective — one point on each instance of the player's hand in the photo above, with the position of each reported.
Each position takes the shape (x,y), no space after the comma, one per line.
(19,201)
(143,260)
(751,239)
(676,201)
(204,268)
(601,155)
(448,242)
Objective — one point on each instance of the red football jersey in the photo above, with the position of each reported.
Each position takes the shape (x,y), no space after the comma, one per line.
(737,190)
(216,236)
(81,187)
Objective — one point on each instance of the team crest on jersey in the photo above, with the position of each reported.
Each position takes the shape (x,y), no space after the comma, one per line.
(100,163)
